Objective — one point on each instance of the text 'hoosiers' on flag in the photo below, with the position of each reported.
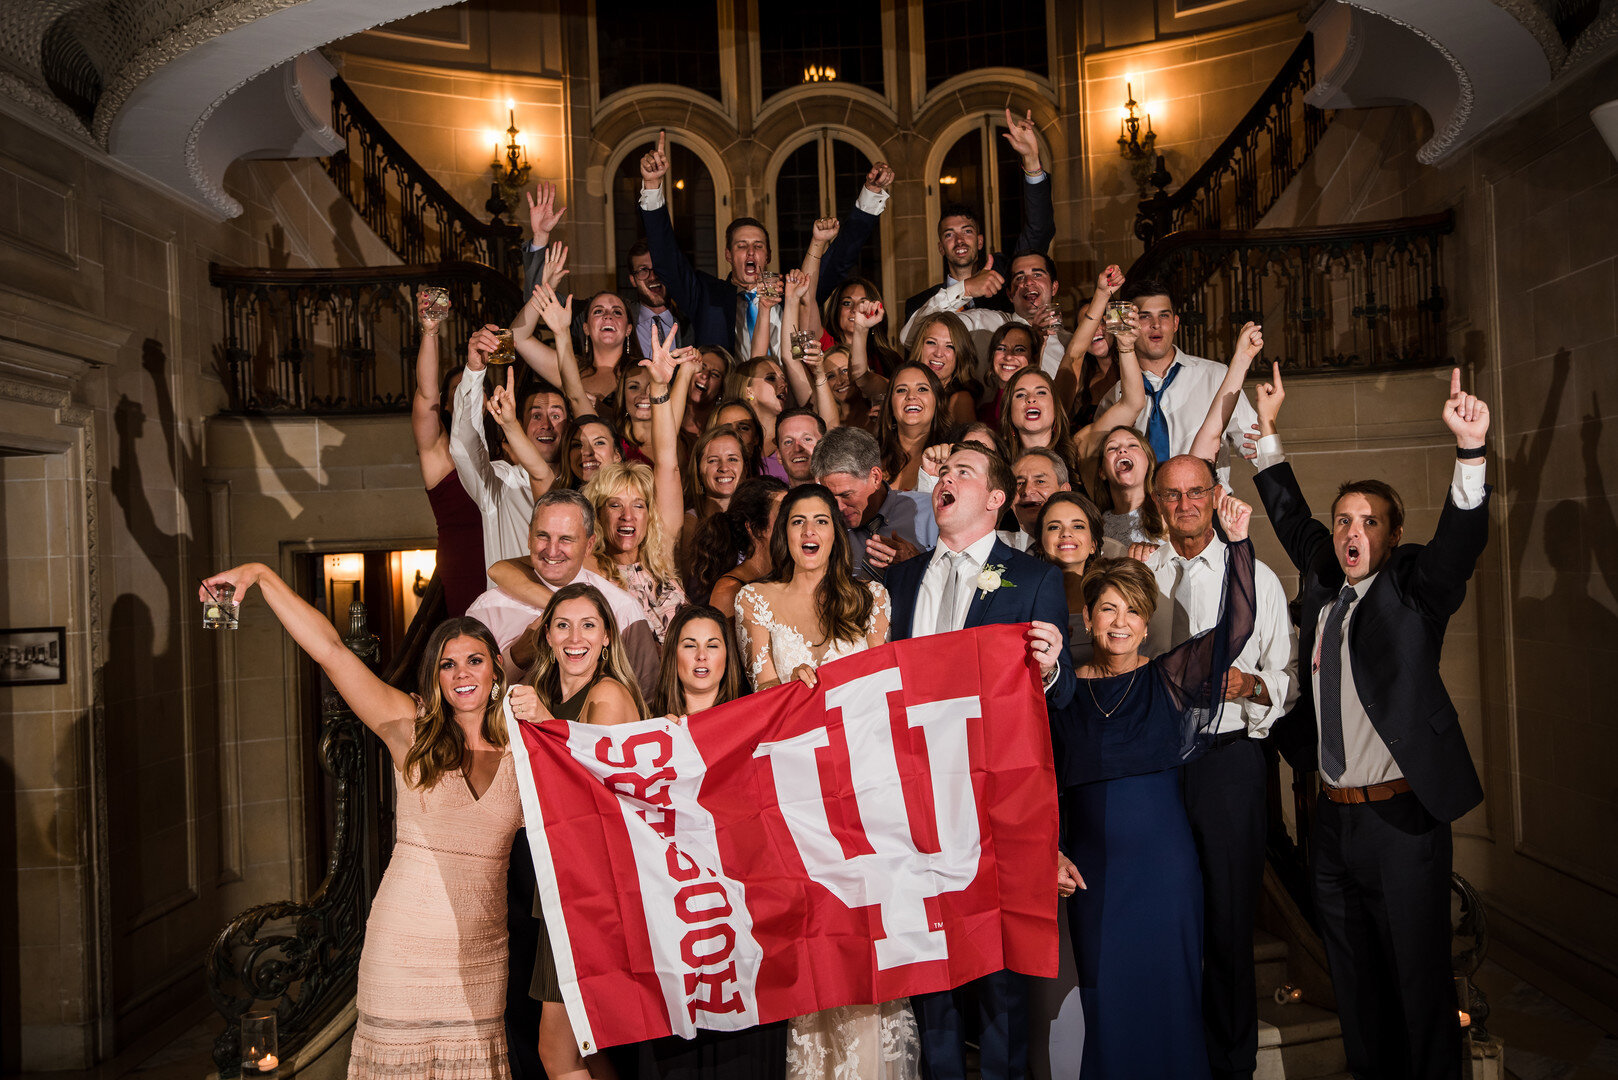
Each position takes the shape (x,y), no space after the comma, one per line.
(891,832)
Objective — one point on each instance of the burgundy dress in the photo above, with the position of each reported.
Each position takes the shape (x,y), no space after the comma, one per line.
(460,544)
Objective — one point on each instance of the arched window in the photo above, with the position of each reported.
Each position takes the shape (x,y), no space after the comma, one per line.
(841,35)
(964,35)
(639,41)
(692,208)
(821,178)
(983,171)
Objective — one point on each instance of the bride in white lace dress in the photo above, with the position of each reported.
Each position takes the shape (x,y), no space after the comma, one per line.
(810,611)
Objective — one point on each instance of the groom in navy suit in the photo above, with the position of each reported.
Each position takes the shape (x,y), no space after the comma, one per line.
(971,579)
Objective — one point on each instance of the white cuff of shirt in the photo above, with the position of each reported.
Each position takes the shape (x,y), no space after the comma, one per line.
(952,297)
(872,202)
(1466,489)
(1034,178)
(925,482)
(1269,453)
(1048,681)
(651,198)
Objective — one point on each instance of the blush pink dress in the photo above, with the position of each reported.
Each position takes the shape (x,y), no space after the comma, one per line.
(432,978)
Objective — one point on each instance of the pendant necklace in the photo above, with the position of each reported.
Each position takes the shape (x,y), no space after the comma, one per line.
(1106,714)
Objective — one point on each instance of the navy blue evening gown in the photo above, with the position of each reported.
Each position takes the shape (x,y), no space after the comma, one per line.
(1137,926)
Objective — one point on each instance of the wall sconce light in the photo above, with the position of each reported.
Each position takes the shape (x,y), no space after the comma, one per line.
(510,170)
(1134,145)
(949,179)
(819,73)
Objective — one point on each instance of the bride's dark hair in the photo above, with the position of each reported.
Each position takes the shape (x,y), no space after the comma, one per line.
(844,604)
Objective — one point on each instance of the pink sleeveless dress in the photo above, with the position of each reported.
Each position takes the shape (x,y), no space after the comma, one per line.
(432,978)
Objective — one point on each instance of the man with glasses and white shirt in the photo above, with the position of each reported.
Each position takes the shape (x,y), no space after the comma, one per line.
(1224,789)
(1179,386)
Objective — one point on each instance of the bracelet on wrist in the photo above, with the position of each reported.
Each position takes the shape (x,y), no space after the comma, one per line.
(1468,453)
(661,399)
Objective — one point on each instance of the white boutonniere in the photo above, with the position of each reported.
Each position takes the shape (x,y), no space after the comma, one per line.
(991,579)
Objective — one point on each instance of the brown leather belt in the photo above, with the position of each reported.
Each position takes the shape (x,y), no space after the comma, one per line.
(1374,793)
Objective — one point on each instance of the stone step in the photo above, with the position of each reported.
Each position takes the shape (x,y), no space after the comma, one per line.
(1299,1041)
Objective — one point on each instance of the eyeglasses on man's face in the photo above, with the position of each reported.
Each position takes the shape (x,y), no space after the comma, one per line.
(1192,494)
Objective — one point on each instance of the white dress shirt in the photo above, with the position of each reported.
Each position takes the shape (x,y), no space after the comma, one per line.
(1185,406)
(931,593)
(872,202)
(1196,586)
(1367,758)
(502,489)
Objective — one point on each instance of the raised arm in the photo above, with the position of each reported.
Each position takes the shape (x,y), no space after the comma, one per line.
(858,225)
(1131,400)
(1249,342)
(388,712)
(1038,212)
(502,406)
(534,352)
(763,335)
(822,238)
(685,285)
(796,286)
(466,446)
(543,217)
(1446,562)
(670,494)
(559,317)
(432,443)
(1069,372)
(825,402)
(867,314)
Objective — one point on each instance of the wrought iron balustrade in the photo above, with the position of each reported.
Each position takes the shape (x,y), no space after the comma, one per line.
(1339,298)
(1247,173)
(402,203)
(343,340)
(300,959)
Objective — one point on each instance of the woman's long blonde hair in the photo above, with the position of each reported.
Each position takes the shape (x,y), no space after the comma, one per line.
(439,745)
(546,677)
(654,549)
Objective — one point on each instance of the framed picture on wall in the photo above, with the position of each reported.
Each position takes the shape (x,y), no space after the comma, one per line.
(33,656)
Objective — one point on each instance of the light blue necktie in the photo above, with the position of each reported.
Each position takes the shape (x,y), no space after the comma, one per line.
(1157,425)
(752,317)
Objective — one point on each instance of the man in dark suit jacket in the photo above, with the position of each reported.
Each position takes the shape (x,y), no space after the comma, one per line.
(961,240)
(716,307)
(1374,715)
(962,583)
(648,305)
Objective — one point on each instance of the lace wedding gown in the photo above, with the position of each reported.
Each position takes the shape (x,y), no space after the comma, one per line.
(850,1042)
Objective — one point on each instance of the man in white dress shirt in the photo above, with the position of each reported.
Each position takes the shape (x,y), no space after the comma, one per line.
(1224,789)
(503,490)
(1179,387)
(563,531)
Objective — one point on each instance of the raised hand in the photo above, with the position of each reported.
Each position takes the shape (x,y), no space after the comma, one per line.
(557,315)
(1465,415)
(502,404)
(240,578)
(662,364)
(868,313)
(813,357)
(427,315)
(1250,340)
(654,164)
(795,284)
(933,458)
(1234,516)
(985,282)
(880,177)
(543,213)
(1020,134)
(479,346)
(1048,320)
(1110,281)
(1126,337)
(824,231)
(555,265)
(1267,402)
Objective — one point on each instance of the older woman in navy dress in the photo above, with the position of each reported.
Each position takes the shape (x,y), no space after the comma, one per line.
(1137,923)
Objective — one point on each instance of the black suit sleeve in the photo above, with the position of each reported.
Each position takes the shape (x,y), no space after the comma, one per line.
(533,266)
(687,286)
(844,251)
(1038,218)
(1050,605)
(1439,573)
(1305,539)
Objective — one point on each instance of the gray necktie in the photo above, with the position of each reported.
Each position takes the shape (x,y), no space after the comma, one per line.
(1333,758)
(952,590)
(1180,624)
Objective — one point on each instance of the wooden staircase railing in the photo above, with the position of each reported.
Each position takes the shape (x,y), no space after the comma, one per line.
(1247,173)
(1344,297)
(402,203)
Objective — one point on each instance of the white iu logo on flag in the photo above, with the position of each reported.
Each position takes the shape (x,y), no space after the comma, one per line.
(894,876)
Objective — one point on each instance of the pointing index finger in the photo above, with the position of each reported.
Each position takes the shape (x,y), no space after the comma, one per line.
(1454,382)
(662,136)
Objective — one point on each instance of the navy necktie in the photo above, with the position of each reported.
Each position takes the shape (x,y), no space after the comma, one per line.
(1333,756)
(1157,425)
